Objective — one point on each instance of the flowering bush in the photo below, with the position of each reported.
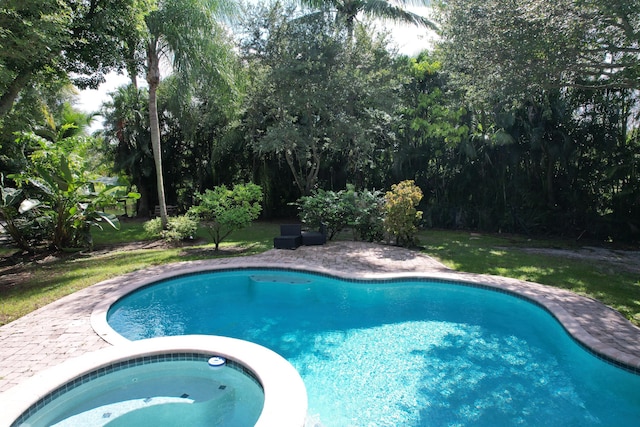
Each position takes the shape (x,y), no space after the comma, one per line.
(401,215)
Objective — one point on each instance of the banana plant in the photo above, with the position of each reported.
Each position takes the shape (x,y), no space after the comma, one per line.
(74,202)
(69,202)
(13,207)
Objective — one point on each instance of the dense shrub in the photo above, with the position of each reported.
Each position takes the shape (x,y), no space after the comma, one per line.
(178,228)
(327,207)
(361,210)
(367,214)
(401,215)
(153,227)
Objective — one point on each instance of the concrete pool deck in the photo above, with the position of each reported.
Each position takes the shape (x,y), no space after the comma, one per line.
(62,329)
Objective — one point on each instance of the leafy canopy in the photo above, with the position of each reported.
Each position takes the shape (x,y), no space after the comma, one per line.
(499,48)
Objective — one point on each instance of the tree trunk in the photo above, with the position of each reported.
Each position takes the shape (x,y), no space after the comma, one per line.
(142,205)
(153,78)
(7,99)
(132,67)
(297,179)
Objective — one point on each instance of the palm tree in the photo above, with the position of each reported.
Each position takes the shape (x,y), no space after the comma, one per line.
(127,138)
(186,34)
(348,10)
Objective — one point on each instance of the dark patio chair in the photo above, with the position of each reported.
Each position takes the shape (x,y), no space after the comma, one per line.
(290,237)
(315,237)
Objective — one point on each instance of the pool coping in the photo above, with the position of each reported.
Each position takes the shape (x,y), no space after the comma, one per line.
(285,396)
(62,330)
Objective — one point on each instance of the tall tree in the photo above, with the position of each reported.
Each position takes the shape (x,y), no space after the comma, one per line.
(318,95)
(187,35)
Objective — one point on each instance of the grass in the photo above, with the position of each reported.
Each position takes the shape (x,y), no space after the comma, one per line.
(130,231)
(504,256)
(260,233)
(486,254)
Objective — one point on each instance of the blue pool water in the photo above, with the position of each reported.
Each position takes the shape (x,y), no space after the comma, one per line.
(402,353)
(163,393)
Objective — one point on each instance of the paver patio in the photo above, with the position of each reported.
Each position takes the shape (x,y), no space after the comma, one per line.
(62,330)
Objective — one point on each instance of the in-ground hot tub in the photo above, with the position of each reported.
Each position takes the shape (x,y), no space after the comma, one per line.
(163,381)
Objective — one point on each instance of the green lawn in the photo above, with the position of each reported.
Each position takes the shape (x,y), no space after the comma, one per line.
(504,256)
(462,251)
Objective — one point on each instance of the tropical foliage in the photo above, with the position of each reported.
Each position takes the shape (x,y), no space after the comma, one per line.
(127,142)
(65,199)
(347,12)
(523,117)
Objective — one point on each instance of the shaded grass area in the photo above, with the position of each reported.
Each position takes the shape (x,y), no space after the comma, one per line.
(505,256)
(260,233)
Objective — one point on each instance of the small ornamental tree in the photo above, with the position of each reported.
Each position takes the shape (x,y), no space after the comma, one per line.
(222,210)
(401,215)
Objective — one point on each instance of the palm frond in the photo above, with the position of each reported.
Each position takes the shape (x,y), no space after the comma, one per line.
(396,12)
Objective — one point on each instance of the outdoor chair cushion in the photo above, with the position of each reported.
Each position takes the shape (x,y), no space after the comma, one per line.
(290,237)
(315,237)
(290,230)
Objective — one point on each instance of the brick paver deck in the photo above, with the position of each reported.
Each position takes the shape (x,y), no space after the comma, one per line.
(62,330)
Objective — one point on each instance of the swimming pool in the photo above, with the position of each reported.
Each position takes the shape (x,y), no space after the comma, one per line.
(187,380)
(401,352)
